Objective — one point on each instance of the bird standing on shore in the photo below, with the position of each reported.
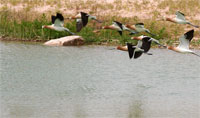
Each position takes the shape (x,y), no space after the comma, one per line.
(57,24)
(179,19)
(185,40)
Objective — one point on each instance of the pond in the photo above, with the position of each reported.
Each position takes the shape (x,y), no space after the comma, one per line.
(95,82)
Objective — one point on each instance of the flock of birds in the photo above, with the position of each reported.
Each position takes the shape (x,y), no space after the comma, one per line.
(144,42)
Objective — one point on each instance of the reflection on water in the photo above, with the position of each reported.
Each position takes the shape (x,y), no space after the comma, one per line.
(94,82)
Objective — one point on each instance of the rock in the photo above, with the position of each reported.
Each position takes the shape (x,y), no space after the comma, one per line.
(66,41)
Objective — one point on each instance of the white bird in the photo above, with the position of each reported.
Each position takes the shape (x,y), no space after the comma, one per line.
(179,19)
(183,47)
(137,28)
(143,46)
(57,24)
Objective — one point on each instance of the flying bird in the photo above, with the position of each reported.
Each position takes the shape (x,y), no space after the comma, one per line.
(143,46)
(137,28)
(57,24)
(115,26)
(185,40)
(179,19)
(151,39)
(82,19)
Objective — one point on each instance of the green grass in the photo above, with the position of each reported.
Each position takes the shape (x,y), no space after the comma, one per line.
(18,25)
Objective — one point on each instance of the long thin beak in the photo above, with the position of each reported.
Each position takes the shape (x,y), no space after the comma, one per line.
(98,21)
(161,45)
(150,33)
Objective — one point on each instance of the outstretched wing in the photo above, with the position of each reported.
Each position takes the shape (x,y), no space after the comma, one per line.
(130,50)
(185,39)
(59,20)
(137,54)
(53,18)
(180,15)
(118,24)
(146,44)
(84,18)
(79,25)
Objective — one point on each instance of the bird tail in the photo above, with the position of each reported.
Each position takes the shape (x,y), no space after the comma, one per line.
(69,31)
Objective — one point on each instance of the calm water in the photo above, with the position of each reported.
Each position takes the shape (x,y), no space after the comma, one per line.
(94,82)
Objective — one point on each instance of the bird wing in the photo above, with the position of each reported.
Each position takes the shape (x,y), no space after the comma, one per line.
(130,50)
(59,20)
(84,18)
(139,44)
(180,15)
(185,39)
(116,23)
(137,54)
(53,18)
(146,44)
(79,25)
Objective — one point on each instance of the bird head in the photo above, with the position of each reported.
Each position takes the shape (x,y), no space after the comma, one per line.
(94,18)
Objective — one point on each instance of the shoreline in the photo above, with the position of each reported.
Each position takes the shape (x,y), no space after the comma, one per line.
(6,39)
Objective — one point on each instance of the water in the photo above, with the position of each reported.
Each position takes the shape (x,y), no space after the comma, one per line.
(94,82)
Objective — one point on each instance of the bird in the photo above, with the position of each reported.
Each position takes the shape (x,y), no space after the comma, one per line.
(115,26)
(57,24)
(151,39)
(179,19)
(82,20)
(183,46)
(143,46)
(137,28)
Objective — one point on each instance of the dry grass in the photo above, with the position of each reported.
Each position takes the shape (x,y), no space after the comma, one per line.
(125,11)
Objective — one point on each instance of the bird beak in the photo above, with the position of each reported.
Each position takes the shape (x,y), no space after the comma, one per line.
(98,21)
(150,33)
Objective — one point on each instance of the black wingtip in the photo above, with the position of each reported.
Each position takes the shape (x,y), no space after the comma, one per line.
(181,13)
(139,23)
(189,35)
(130,50)
(120,32)
(60,16)
(146,44)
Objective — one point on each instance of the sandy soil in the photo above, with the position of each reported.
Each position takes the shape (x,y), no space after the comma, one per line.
(143,9)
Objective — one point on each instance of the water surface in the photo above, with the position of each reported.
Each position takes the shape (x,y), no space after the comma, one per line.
(94,82)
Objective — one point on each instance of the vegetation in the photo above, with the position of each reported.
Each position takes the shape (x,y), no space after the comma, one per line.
(26,23)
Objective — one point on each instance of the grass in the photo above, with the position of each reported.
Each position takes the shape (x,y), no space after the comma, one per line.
(17,23)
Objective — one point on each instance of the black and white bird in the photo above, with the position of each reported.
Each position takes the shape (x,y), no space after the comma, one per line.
(151,39)
(57,24)
(82,19)
(143,46)
(115,26)
(185,40)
